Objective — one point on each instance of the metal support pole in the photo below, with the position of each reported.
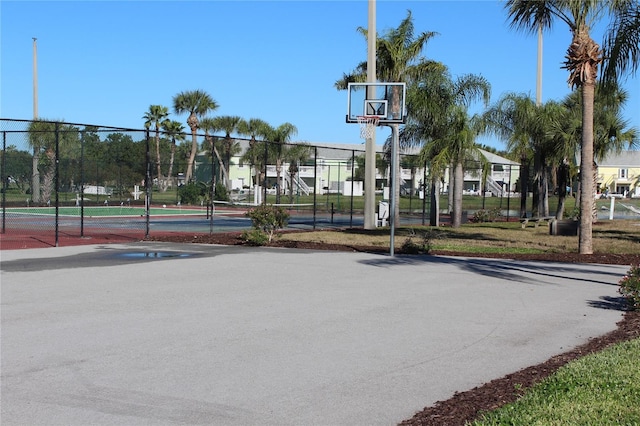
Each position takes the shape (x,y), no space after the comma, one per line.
(353,168)
(392,190)
(4,181)
(509,195)
(81,201)
(370,143)
(213,188)
(57,182)
(315,184)
(147,184)
(264,183)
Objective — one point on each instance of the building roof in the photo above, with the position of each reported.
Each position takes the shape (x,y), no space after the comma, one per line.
(343,151)
(622,159)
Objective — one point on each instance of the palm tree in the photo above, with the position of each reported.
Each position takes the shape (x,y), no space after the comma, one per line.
(196,103)
(461,144)
(512,119)
(296,154)
(156,117)
(209,125)
(229,124)
(611,132)
(438,117)
(278,139)
(47,139)
(174,130)
(582,59)
(398,59)
(622,42)
(41,139)
(254,128)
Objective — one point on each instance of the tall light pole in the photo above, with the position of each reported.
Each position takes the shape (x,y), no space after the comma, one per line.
(539,71)
(35,78)
(370,142)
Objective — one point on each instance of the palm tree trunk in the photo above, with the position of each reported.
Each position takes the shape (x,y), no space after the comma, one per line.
(562,173)
(35,177)
(594,209)
(545,189)
(538,196)
(458,182)
(524,185)
(192,155)
(585,241)
(450,191)
(220,162)
(159,166)
(172,157)
(227,161)
(278,175)
(434,208)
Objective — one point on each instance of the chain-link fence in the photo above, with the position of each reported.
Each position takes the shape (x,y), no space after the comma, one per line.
(66,180)
(62,180)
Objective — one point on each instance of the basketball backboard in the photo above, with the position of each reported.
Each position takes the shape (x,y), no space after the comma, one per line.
(385,101)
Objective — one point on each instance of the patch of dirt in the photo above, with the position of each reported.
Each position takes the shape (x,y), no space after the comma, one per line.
(466,406)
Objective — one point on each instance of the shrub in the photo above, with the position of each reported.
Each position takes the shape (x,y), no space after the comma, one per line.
(573,214)
(190,193)
(221,193)
(630,286)
(255,237)
(483,215)
(267,220)
(409,247)
(425,246)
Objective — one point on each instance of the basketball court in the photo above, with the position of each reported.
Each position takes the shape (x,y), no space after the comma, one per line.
(158,333)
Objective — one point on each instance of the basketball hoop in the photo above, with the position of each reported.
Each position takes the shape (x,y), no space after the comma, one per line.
(368,124)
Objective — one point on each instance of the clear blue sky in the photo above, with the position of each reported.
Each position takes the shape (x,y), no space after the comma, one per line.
(105,62)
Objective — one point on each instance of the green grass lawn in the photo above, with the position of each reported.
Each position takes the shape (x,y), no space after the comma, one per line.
(599,389)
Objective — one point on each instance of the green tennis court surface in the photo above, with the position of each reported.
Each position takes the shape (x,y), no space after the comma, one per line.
(107,211)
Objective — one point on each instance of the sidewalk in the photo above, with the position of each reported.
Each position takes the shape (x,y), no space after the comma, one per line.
(155,333)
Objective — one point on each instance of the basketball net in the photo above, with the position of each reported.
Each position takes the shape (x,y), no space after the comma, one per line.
(368,125)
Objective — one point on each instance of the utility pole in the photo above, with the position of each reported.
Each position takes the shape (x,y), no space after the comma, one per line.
(539,71)
(370,143)
(35,78)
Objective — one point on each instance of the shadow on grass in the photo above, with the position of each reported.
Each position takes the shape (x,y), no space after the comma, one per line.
(616,234)
(419,232)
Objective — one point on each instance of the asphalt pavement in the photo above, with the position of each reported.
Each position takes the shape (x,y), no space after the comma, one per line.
(157,333)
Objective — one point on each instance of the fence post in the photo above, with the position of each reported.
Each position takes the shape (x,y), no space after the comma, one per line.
(147,183)
(315,184)
(57,183)
(353,168)
(4,181)
(81,201)
(264,183)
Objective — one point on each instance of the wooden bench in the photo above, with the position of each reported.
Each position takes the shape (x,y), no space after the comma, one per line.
(536,220)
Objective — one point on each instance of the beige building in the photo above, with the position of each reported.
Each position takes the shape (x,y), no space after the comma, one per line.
(620,174)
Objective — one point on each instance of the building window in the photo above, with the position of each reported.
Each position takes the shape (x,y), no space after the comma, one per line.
(623,173)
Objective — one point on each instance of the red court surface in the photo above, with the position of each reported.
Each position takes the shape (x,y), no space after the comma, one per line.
(25,239)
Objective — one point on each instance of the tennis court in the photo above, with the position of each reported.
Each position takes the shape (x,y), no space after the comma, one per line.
(35,227)
(30,227)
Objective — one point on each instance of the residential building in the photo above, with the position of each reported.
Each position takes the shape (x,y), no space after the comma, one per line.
(619,173)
